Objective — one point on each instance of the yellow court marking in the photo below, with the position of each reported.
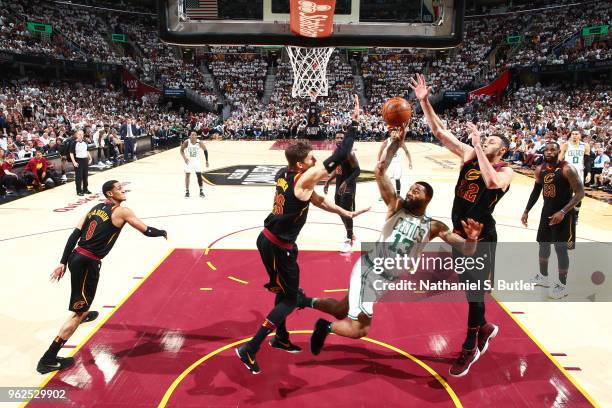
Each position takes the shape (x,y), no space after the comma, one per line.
(105,319)
(206,289)
(334,290)
(545,351)
(206,251)
(238,280)
(185,373)
(211,266)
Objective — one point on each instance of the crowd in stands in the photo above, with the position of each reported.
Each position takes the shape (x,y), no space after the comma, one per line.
(533,115)
(39,116)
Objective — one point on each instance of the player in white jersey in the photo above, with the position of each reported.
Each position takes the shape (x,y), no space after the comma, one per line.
(193,160)
(574,152)
(395,168)
(405,232)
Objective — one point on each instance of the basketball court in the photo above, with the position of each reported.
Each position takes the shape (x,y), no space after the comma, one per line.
(172,312)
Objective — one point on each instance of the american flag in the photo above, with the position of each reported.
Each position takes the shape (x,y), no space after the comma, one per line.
(202,9)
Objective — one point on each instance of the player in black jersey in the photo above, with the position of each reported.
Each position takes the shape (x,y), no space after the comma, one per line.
(483,180)
(562,190)
(96,234)
(346,188)
(276,243)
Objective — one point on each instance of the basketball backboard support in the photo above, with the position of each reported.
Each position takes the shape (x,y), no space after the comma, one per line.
(357,23)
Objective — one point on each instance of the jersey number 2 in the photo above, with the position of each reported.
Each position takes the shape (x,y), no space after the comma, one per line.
(90,230)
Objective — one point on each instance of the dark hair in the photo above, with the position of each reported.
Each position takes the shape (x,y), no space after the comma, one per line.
(108,186)
(428,188)
(504,139)
(340,132)
(552,142)
(297,152)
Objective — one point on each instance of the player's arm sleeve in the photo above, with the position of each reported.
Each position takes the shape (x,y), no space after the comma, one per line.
(70,244)
(206,154)
(533,198)
(345,148)
(154,232)
(355,171)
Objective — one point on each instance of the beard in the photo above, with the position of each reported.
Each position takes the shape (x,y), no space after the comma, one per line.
(411,205)
(550,160)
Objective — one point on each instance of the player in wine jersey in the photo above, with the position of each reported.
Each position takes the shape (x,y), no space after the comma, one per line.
(562,189)
(574,152)
(193,160)
(276,244)
(346,174)
(96,234)
(406,230)
(395,168)
(483,180)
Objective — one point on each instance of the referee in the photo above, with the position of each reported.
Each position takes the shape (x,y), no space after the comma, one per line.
(81,159)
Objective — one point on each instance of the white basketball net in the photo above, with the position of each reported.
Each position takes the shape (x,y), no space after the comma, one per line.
(309,71)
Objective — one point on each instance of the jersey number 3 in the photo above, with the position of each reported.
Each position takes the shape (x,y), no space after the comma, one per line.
(90,230)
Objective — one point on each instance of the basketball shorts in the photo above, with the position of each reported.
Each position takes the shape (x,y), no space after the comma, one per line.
(194,166)
(363,288)
(395,171)
(84,275)
(565,231)
(281,266)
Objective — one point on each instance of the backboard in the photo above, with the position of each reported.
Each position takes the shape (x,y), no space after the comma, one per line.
(356,23)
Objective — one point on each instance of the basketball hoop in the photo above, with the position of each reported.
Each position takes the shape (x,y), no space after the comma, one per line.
(309,71)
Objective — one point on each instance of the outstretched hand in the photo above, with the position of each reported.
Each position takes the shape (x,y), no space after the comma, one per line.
(420,88)
(359,212)
(475,134)
(471,228)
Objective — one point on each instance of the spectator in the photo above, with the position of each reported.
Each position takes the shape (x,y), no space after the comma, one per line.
(35,171)
(81,159)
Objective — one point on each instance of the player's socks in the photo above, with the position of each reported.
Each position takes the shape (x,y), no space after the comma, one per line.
(53,349)
(202,193)
(470,338)
(303,301)
(187,194)
(563,276)
(544,267)
(266,328)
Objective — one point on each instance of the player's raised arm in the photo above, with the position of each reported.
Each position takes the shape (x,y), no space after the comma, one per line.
(386,188)
(422,92)
(467,246)
(312,176)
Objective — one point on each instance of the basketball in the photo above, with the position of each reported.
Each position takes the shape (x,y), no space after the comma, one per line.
(396,111)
